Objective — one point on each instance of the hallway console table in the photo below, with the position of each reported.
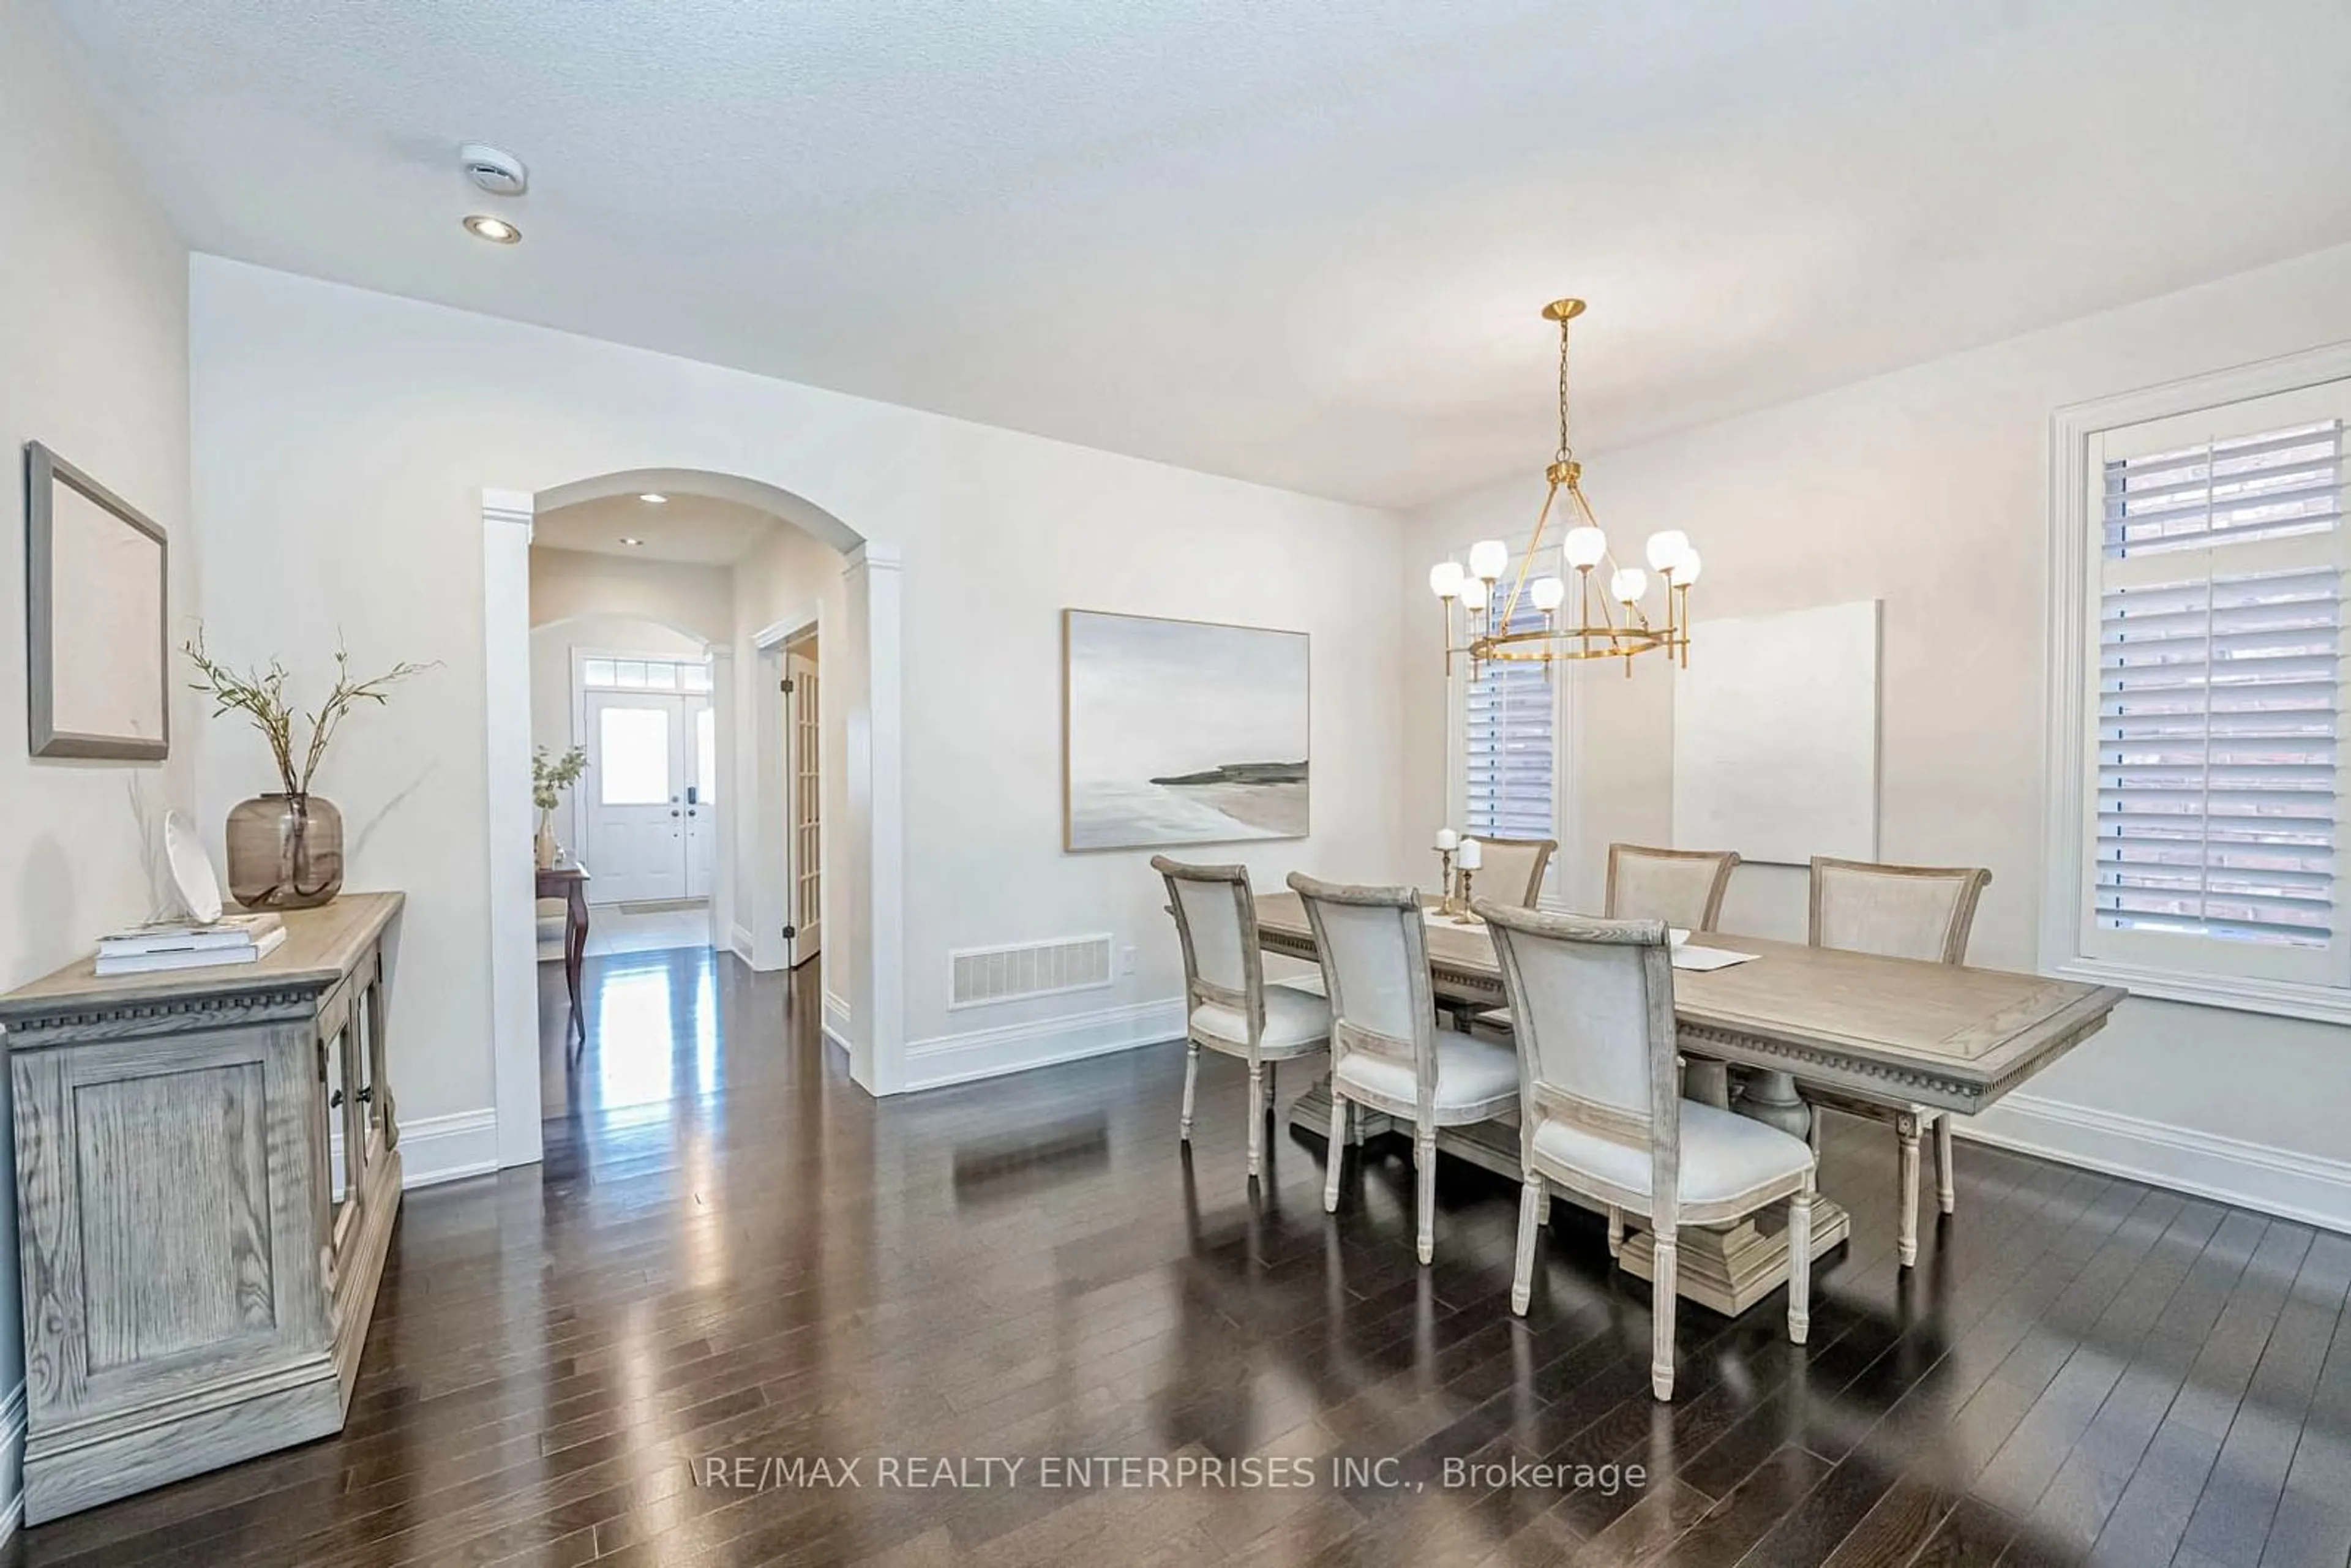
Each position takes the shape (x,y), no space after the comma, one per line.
(1940,1035)
(207,1172)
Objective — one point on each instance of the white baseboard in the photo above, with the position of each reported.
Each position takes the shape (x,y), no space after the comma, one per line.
(739,938)
(836,1020)
(436,1149)
(12,1460)
(2308,1187)
(1016,1048)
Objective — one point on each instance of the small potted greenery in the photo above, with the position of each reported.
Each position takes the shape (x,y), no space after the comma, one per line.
(549,777)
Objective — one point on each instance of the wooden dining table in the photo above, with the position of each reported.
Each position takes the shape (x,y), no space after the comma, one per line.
(1895,1032)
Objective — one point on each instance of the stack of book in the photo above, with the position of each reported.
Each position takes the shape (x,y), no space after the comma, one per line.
(190,944)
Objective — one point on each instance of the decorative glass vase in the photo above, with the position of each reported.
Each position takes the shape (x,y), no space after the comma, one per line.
(549,851)
(284,852)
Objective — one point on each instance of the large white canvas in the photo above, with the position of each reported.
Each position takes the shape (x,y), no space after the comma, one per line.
(1181,732)
(107,592)
(1775,735)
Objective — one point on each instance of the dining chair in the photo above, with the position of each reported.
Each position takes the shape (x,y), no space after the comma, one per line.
(1681,887)
(1389,1052)
(1228,1007)
(1897,912)
(1601,1114)
(1513,868)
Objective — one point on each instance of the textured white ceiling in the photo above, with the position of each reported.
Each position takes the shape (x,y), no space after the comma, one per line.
(692,529)
(1294,241)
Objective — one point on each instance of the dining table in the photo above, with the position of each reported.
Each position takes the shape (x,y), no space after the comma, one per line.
(1892,1031)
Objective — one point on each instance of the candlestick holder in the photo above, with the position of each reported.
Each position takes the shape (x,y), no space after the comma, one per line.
(1467,876)
(1445,881)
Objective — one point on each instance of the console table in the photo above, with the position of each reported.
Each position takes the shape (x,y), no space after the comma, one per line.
(208,1171)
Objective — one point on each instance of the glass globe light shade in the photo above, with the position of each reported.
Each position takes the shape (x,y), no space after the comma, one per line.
(1686,569)
(1584,547)
(1445,578)
(1548,593)
(1665,547)
(1489,558)
(1629,584)
(1473,594)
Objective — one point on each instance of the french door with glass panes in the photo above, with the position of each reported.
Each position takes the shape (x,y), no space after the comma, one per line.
(651,821)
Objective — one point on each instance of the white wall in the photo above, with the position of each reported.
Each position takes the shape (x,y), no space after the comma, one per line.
(93,363)
(1927,488)
(569,584)
(317,401)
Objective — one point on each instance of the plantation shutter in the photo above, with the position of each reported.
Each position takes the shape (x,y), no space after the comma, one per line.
(1510,745)
(2220,677)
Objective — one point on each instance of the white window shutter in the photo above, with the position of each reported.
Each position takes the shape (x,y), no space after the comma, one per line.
(2217,817)
(1511,744)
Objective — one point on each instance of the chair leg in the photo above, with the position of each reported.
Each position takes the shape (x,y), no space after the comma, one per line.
(1272,1090)
(1338,1152)
(1800,1264)
(1812,1133)
(1531,1197)
(1907,1131)
(1615,1231)
(1191,1086)
(1424,1184)
(1665,1295)
(1542,1214)
(1256,1115)
(1947,1186)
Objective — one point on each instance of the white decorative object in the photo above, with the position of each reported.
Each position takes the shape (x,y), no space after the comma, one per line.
(192,870)
(1775,735)
(1182,732)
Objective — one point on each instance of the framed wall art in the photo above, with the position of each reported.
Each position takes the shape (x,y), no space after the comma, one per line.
(97,615)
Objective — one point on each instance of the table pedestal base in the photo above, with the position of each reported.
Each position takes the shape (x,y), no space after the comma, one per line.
(1732,1269)
(1727,1270)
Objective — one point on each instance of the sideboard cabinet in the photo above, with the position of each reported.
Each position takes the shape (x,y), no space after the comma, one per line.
(207,1172)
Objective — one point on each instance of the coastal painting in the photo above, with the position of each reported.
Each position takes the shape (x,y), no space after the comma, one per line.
(1182,732)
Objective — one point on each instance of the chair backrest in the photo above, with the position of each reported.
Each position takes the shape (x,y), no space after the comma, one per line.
(1374,946)
(1896,911)
(1215,919)
(1592,1012)
(1513,871)
(1681,887)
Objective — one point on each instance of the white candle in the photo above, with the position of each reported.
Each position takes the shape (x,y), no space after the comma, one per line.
(1447,838)
(1470,858)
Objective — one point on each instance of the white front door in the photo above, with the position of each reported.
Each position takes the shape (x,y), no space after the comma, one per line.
(636,797)
(804,785)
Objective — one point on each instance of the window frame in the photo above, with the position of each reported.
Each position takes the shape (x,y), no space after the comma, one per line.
(1565,742)
(2077,435)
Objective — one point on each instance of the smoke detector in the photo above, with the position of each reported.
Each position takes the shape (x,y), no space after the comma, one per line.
(499,172)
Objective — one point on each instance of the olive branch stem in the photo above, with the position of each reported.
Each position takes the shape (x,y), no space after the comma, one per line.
(259,692)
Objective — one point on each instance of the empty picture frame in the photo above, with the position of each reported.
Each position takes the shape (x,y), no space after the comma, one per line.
(97,576)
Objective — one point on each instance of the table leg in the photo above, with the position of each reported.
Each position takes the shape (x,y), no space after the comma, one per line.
(575,956)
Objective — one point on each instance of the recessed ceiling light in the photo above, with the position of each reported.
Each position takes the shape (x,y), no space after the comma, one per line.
(497,231)
(654,498)
(631,539)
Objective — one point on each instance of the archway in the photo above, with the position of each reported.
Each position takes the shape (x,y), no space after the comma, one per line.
(867,856)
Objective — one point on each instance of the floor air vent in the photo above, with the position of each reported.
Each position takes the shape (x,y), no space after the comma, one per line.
(979,976)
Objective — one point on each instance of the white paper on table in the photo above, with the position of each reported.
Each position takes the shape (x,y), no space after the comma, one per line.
(1689,956)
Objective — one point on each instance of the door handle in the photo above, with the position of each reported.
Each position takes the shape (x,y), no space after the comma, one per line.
(673,813)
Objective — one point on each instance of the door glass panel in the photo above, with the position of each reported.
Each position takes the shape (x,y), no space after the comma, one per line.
(705,755)
(633,761)
(660,677)
(597,673)
(694,677)
(630,673)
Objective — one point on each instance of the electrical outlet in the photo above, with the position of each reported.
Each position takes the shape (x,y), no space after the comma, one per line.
(1126,960)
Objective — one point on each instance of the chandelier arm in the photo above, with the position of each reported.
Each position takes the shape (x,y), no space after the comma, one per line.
(1527,562)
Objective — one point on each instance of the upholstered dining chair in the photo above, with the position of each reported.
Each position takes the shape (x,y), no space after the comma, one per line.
(1513,868)
(1681,887)
(1601,1113)
(1229,1006)
(1919,912)
(1387,1049)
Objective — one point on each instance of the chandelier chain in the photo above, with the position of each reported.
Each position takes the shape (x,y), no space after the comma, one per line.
(1566,443)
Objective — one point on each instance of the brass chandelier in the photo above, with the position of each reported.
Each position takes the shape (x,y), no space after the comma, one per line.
(1610,619)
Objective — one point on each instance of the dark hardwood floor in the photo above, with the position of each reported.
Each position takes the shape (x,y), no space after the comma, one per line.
(731,1254)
